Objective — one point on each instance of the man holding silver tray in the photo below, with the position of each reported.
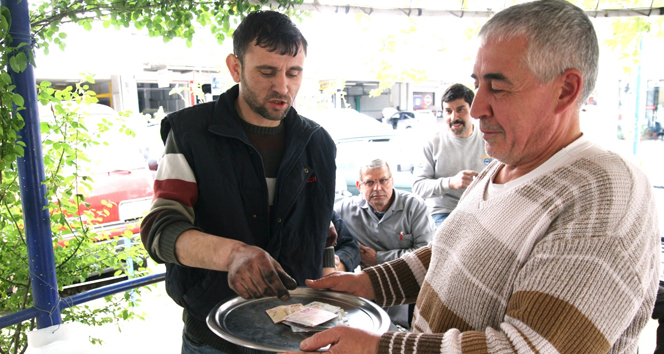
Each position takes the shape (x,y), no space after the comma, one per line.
(554,247)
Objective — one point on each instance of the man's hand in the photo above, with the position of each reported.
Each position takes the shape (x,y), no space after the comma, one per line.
(352,283)
(462,179)
(331,236)
(338,266)
(343,339)
(253,273)
(368,256)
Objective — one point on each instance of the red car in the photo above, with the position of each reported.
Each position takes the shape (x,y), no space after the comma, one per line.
(121,191)
(121,188)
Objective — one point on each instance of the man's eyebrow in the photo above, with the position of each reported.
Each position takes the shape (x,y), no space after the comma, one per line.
(270,67)
(496,77)
(492,76)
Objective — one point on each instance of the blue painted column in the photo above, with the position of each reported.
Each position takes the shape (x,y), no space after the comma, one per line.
(31,175)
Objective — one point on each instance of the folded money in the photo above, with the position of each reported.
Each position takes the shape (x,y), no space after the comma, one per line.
(314,317)
(310,317)
(277,314)
(338,321)
(324,306)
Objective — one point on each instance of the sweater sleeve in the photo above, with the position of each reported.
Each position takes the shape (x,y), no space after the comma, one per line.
(588,286)
(398,282)
(172,212)
(425,183)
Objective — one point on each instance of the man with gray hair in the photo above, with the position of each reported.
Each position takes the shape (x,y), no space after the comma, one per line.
(387,223)
(554,247)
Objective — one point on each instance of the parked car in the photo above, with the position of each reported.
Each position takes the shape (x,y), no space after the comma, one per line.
(360,138)
(353,152)
(152,146)
(422,119)
(122,182)
(345,122)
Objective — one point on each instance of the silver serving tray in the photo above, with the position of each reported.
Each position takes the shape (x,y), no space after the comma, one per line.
(245,322)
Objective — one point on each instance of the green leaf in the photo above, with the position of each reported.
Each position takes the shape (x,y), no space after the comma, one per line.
(18,100)
(5,78)
(14,64)
(4,25)
(106,24)
(19,150)
(226,25)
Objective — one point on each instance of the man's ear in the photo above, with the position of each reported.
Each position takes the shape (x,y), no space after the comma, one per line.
(570,89)
(357,184)
(234,66)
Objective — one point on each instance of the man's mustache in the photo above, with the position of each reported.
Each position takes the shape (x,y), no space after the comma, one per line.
(457,122)
(277,96)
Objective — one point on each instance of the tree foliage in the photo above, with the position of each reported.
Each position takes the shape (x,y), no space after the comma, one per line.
(78,255)
(161,18)
(627,33)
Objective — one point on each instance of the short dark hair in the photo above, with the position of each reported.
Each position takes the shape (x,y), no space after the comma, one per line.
(271,30)
(457,91)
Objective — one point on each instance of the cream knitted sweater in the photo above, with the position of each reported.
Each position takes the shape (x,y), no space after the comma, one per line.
(567,262)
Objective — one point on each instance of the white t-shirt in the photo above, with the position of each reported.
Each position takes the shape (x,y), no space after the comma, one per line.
(580,148)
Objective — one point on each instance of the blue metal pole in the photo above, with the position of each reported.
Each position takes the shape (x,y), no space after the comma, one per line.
(23,315)
(111,289)
(130,269)
(31,175)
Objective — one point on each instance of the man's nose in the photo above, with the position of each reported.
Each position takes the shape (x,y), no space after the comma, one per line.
(280,84)
(480,107)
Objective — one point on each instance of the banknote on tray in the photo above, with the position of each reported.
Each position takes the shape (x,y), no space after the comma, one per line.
(313,317)
(278,313)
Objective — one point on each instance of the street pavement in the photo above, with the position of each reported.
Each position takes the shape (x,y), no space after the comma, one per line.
(160,332)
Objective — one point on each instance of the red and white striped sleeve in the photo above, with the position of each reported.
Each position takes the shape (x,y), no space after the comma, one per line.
(172,211)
